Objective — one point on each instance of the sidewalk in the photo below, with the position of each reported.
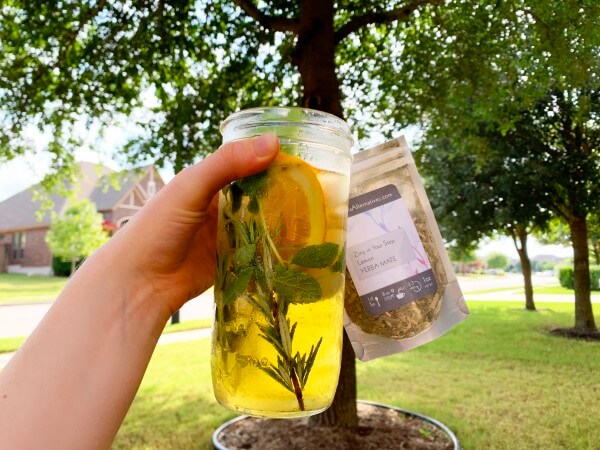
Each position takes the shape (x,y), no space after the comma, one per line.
(168,338)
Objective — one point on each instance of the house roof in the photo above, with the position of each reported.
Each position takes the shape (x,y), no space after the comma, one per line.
(105,195)
(19,211)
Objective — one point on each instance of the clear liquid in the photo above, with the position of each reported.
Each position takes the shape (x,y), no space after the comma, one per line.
(240,353)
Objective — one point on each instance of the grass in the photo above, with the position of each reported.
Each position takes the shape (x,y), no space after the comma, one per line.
(498,380)
(559,290)
(18,288)
(11,344)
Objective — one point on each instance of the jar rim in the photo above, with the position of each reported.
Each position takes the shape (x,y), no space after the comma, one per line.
(278,115)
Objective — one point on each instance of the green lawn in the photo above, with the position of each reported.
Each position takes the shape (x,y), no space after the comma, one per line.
(498,380)
(559,290)
(17,288)
(11,344)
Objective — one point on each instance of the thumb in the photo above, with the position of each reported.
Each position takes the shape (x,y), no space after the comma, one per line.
(194,187)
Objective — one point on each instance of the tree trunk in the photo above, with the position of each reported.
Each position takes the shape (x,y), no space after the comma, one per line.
(584,316)
(314,55)
(520,234)
(342,412)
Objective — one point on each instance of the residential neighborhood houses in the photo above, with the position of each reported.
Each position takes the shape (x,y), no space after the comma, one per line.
(23,248)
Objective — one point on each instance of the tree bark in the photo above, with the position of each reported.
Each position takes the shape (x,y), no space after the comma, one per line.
(584,316)
(519,235)
(314,55)
(342,412)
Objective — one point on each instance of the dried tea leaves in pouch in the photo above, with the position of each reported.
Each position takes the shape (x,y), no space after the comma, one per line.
(402,291)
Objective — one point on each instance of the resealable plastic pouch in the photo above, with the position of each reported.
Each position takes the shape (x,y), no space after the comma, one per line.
(401,291)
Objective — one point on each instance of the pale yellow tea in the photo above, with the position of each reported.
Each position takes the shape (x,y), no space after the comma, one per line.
(279,290)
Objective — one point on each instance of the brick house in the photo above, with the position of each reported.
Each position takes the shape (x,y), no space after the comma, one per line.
(22,236)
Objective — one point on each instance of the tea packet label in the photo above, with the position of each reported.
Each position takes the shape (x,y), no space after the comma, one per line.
(385,255)
(401,290)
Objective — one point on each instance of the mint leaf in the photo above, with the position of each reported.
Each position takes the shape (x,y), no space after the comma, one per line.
(316,256)
(295,287)
(339,265)
(252,185)
(243,256)
(238,285)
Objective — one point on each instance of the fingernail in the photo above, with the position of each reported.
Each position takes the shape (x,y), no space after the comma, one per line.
(265,145)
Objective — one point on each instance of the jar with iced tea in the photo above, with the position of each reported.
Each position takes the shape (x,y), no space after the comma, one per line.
(279,289)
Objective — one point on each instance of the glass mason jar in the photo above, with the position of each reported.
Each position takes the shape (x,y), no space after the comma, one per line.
(279,288)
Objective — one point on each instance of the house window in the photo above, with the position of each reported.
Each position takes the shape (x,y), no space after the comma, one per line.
(18,245)
(151,189)
(123,221)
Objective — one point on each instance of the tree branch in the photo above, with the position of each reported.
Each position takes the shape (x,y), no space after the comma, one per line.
(272,23)
(398,14)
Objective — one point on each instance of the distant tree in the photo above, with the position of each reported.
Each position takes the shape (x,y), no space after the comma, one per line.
(477,196)
(594,236)
(545,162)
(558,233)
(77,234)
(497,261)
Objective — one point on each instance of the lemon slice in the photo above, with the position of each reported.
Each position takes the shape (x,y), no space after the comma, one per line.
(294,205)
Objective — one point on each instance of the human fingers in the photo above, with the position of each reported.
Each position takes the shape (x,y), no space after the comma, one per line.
(193,188)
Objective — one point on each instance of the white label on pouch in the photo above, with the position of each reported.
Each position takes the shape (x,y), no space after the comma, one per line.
(385,256)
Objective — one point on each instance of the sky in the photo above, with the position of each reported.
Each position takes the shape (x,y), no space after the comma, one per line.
(27,170)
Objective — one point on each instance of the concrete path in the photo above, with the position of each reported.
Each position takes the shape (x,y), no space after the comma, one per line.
(472,285)
(481,283)
(20,320)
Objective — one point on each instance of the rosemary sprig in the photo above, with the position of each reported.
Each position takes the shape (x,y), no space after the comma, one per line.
(256,272)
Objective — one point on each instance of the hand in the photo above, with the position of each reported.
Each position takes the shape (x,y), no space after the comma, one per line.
(170,245)
(77,374)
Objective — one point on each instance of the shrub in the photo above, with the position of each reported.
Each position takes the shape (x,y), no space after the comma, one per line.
(61,268)
(595,278)
(565,276)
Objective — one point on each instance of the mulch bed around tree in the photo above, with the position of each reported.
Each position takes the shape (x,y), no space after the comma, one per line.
(576,334)
(380,428)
